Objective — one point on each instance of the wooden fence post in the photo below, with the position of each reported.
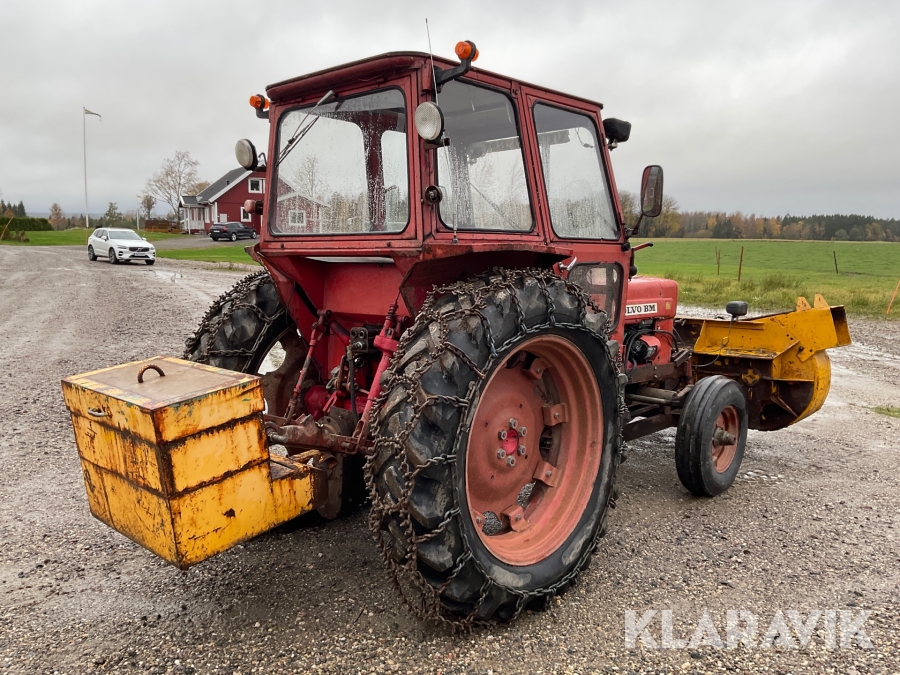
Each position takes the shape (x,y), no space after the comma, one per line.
(741,263)
(835,262)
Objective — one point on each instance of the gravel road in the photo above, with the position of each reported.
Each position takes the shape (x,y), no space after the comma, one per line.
(812,524)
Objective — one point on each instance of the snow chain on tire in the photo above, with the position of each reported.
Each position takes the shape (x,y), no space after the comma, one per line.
(427,351)
(236,324)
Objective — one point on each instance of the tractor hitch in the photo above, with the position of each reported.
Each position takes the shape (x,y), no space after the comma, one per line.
(307,434)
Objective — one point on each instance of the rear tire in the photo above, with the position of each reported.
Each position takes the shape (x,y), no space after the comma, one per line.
(485,351)
(233,236)
(238,333)
(715,414)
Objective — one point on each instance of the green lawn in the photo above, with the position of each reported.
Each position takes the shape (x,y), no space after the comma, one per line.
(232,254)
(74,238)
(774,273)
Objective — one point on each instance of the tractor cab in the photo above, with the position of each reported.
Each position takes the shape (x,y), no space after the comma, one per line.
(404,171)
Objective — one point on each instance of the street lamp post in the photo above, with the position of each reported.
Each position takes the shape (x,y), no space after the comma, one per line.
(85,113)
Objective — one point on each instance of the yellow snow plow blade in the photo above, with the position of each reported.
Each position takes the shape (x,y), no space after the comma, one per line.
(779,359)
(174,457)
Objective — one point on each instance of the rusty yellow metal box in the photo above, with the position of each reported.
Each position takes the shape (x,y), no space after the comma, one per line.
(174,457)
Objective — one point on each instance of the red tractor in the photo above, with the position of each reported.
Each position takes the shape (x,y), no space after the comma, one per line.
(449,311)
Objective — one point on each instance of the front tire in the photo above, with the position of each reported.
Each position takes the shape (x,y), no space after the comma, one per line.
(469,533)
(712,433)
(91,255)
(112,257)
(150,262)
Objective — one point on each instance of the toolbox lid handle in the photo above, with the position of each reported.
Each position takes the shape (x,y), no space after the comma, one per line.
(149,366)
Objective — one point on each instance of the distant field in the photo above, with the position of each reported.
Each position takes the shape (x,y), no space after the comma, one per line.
(74,238)
(233,254)
(776,272)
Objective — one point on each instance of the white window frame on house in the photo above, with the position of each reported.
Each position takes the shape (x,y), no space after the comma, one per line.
(261,185)
(245,217)
(292,217)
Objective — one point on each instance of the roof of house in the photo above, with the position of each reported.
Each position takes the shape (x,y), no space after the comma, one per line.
(216,189)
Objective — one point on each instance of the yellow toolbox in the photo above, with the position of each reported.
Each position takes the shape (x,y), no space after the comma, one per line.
(174,457)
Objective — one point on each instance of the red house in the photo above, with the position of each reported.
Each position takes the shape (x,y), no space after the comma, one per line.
(223,201)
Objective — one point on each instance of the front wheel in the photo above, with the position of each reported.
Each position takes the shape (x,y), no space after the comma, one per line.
(496,446)
(712,433)
(112,257)
(253,235)
(91,255)
(150,262)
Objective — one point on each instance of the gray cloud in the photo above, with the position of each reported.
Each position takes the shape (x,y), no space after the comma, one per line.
(765,107)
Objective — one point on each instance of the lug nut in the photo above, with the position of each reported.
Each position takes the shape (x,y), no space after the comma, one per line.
(479,520)
(501,453)
(522,431)
(521,449)
(511,461)
(513,423)
(518,516)
(503,435)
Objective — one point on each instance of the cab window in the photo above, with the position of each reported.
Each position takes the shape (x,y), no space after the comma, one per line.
(482,172)
(343,167)
(574,176)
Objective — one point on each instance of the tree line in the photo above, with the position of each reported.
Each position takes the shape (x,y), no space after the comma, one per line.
(12,210)
(672,222)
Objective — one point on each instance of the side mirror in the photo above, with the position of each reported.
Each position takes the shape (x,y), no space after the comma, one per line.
(652,191)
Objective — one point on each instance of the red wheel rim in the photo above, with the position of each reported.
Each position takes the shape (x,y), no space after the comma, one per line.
(548,387)
(725,438)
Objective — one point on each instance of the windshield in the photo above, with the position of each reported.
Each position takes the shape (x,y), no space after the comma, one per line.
(347,173)
(577,190)
(123,234)
(481,172)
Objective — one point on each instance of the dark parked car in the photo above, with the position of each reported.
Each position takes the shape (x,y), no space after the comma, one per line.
(233,231)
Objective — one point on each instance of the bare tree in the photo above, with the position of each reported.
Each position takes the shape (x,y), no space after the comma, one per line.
(57,216)
(148,201)
(200,187)
(176,177)
(629,202)
(307,177)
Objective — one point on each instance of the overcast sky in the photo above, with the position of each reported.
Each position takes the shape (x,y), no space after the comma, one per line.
(763,107)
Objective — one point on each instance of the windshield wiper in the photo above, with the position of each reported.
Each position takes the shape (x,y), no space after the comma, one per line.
(298,133)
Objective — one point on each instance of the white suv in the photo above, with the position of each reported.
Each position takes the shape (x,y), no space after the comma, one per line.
(120,245)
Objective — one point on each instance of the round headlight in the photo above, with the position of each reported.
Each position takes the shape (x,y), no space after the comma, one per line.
(429,121)
(246,154)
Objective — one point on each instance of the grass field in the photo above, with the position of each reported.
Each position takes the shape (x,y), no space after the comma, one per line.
(74,238)
(774,273)
(232,254)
